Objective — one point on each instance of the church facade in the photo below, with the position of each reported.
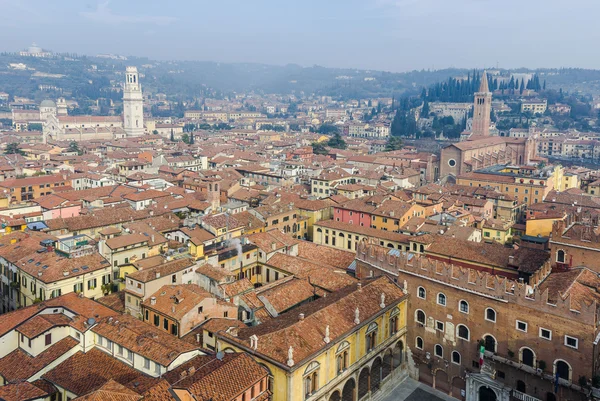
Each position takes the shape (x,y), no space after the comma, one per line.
(58,126)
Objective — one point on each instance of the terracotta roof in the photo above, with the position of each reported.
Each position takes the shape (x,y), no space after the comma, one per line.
(218,379)
(84,308)
(167,268)
(337,311)
(41,323)
(176,300)
(579,283)
(288,294)
(325,254)
(84,373)
(23,391)
(19,365)
(142,338)
(111,391)
(121,241)
(114,301)
(329,279)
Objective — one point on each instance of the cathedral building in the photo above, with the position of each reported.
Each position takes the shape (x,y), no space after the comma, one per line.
(58,126)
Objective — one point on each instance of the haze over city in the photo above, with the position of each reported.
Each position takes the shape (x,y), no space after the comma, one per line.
(378,200)
(391,35)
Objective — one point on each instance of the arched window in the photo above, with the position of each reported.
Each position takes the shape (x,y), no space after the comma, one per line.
(560,256)
(371,336)
(521,387)
(562,369)
(342,356)
(489,343)
(439,351)
(463,306)
(527,357)
(455,357)
(490,315)
(311,379)
(319,230)
(393,322)
(420,317)
(462,331)
(421,293)
(419,343)
(441,299)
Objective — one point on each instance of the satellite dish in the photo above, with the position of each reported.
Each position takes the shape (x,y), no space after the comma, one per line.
(220,355)
(91,321)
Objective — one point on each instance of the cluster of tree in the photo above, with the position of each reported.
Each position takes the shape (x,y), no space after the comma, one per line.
(271,127)
(453,90)
(393,143)
(328,129)
(188,139)
(404,124)
(319,148)
(13,149)
(74,147)
(337,142)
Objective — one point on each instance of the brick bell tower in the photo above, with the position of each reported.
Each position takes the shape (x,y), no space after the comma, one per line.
(482,108)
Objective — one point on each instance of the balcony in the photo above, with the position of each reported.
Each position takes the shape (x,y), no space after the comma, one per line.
(517,395)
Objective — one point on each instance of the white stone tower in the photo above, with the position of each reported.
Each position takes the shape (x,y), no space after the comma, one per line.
(133,103)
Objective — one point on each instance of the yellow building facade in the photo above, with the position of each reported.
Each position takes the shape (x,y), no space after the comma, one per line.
(350,366)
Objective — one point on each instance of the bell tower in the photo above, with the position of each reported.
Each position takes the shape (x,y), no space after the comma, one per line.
(133,103)
(482,108)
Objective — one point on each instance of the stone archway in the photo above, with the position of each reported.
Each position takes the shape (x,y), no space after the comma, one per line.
(387,364)
(398,354)
(335,396)
(442,381)
(364,382)
(458,384)
(487,394)
(376,370)
(349,391)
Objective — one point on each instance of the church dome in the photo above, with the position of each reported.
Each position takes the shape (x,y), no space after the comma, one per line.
(47,103)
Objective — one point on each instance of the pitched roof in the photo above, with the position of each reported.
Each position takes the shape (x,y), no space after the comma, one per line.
(337,311)
(142,338)
(84,373)
(19,365)
(218,380)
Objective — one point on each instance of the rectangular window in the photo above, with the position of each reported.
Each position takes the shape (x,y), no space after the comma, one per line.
(545,333)
(571,342)
(120,350)
(156,367)
(48,338)
(156,320)
(439,325)
(146,363)
(521,326)
(165,324)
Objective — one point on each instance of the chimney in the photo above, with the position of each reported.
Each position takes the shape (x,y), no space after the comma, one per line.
(198,338)
(153,301)
(157,275)
(173,308)
(301,317)
(359,286)
(273,246)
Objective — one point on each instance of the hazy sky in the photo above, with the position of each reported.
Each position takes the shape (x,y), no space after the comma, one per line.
(394,35)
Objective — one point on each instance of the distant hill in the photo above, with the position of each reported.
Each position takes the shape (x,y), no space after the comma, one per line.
(89,78)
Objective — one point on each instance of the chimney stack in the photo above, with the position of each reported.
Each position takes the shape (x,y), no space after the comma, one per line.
(301,317)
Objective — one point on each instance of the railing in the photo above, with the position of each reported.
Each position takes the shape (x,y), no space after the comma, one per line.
(523,397)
